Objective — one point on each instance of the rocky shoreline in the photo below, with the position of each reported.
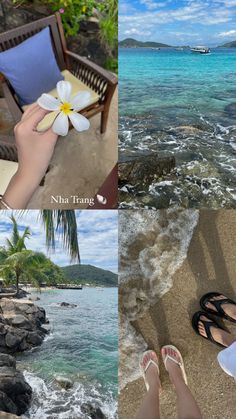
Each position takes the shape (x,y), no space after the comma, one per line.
(20,329)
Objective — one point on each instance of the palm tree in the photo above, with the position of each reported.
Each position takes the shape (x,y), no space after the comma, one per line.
(17,262)
(23,265)
(63,223)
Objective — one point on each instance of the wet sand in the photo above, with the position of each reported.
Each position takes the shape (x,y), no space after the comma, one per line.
(81,162)
(210,266)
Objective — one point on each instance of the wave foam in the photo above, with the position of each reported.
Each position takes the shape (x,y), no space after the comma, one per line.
(52,403)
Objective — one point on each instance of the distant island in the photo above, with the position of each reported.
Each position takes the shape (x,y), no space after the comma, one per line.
(88,274)
(228,45)
(133,43)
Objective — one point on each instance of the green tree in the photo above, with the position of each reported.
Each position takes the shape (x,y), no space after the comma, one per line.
(18,263)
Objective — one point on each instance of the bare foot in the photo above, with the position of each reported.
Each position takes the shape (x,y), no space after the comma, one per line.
(219,335)
(151,374)
(173,369)
(230,309)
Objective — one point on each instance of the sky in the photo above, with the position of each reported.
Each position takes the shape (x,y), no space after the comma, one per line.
(98,237)
(178,22)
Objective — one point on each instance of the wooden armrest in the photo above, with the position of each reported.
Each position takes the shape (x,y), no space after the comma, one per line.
(13,106)
(106,75)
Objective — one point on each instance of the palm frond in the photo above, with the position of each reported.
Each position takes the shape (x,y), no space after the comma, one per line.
(64,223)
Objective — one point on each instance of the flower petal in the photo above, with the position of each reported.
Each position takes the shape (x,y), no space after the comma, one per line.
(79,122)
(64,90)
(48,102)
(61,125)
(81,100)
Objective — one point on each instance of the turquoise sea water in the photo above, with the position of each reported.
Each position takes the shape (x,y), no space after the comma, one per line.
(182,104)
(82,346)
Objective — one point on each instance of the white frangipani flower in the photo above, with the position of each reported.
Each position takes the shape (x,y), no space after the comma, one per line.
(66,106)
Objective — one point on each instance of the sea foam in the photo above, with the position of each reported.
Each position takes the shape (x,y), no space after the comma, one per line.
(153,245)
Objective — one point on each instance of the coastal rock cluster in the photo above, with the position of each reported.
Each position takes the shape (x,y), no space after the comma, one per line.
(20,329)
(15,392)
(20,325)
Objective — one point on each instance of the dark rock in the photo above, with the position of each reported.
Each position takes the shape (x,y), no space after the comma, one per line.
(144,170)
(15,388)
(230,109)
(64,382)
(12,341)
(6,404)
(34,338)
(93,412)
(21,325)
(68,305)
(7,360)
(20,321)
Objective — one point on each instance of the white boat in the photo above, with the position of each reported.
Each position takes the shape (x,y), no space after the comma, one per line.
(201,50)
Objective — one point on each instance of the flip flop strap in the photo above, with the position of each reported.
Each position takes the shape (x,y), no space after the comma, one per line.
(148,365)
(172,359)
(218,304)
(208,326)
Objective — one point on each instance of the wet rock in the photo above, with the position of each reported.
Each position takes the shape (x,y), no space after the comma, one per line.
(34,338)
(64,382)
(144,170)
(189,130)
(6,405)
(15,392)
(230,109)
(64,304)
(93,412)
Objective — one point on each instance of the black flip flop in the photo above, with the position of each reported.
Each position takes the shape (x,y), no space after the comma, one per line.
(207,325)
(217,304)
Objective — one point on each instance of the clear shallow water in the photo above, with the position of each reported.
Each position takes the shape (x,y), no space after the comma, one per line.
(83,347)
(182,104)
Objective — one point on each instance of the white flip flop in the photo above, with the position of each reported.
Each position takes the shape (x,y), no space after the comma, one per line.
(150,362)
(180,364)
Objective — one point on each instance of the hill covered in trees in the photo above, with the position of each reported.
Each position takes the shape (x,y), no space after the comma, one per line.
(88,274)
(133,43)
(229,45)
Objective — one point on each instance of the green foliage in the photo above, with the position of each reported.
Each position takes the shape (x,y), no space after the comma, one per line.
(88,274)
(72,12)
(109,22)
(17,264)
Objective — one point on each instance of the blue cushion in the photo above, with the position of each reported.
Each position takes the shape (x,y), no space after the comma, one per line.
(31,67)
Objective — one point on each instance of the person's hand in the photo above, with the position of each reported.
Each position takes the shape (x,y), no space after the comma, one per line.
(35,151)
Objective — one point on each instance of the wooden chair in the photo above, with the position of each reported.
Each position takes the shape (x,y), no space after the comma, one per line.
(102,82)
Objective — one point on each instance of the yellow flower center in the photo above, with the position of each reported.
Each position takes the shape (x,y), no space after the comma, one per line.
(66,108)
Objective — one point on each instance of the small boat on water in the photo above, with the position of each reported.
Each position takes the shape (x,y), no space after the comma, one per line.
(201,50)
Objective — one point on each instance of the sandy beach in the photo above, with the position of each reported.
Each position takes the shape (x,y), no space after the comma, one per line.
(210,266)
